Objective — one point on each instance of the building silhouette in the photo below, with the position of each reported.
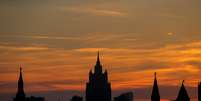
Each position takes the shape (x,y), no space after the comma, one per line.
(76,98)
(33,98)
(98,88)
(124,97)
(155,96)
(183,95)
(199,91)
(21,96)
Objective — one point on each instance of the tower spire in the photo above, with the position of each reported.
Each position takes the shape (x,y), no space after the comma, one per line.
(183,95)
(98,59)
(155,92)
(20,92)
(98,66)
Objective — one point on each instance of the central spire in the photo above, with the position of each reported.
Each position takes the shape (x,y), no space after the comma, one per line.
(98,59)
(98,66)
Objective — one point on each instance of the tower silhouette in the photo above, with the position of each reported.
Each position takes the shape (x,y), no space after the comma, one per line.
(199,91)
(98,88)
(183,95)
(155,92)
(20,96)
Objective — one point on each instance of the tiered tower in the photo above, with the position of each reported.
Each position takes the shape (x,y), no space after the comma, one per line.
(98,88)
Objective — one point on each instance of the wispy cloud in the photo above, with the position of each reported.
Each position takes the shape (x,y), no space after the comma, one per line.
(173,62)
(103,49)
(54,37)
(23,48)
(95,11)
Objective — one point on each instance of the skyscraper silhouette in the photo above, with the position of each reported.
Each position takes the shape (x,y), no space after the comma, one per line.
(98,88)
(183,95)
(20,96)
(199,91)
(155,92)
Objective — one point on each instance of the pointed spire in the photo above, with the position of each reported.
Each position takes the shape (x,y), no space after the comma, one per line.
(98,59)
(98,67)
(20,93)
(183,95)
(155,92)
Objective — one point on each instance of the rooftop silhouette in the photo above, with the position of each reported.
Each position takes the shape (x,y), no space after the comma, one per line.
(76,98)
(124,97)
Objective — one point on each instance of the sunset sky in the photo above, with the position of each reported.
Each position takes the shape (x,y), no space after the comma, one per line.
(56,43)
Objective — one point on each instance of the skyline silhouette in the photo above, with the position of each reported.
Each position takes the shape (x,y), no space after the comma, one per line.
(56,43)
(99,89)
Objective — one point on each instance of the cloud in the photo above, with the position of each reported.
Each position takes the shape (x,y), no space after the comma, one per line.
(103,49)
(54,37)
(25,48)
(194,63)
(95,11)
(170,33)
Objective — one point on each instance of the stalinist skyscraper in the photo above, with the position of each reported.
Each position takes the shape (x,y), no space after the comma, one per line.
(98,88)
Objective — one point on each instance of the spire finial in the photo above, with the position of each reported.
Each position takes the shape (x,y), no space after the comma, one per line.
(98,58)
(183,82)
(155,74)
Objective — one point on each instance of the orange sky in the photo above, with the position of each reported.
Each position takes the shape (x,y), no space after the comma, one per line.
(128,68)
(56,43)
